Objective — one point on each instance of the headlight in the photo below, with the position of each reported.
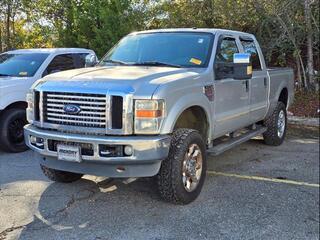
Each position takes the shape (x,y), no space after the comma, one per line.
(148,116)
(30,109)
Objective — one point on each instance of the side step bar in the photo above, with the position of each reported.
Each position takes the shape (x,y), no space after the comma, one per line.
(222,147)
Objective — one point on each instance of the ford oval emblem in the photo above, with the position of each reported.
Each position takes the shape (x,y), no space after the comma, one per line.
(71,108)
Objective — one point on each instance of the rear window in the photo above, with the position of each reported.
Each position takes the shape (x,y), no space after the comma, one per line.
(250,47)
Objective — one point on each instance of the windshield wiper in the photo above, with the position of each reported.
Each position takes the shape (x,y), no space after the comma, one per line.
(114,61)
(155,63)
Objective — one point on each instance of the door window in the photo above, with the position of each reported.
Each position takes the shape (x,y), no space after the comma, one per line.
(227,48)
(250,47)
(61,63)
(224,58)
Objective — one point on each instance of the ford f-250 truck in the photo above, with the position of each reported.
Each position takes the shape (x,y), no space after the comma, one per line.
(19,69)
(156,105)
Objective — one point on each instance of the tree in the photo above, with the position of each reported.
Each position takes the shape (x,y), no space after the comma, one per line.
(288,30)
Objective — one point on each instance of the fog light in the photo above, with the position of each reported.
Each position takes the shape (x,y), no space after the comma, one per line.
(111,150)
(128,150)
(37,142)
(33,139)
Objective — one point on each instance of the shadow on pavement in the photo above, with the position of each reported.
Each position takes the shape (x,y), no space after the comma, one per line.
(67,210)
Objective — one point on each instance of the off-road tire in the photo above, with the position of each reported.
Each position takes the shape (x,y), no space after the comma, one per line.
(169,178)
(270,136)
(8,117)
(60,176)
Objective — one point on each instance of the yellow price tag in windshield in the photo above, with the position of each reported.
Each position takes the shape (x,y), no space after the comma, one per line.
(23,73)
(195,61)
(249,70)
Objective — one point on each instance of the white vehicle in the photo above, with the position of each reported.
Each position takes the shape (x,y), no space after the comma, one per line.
(19,69)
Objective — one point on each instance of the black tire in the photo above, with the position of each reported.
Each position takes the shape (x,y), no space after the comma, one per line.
(60,176)
(271,136)
(170,183)
(12,122)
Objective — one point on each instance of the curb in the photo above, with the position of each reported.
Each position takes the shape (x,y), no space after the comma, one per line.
(314,122)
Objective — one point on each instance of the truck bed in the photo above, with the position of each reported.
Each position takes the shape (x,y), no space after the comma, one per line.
(280,77)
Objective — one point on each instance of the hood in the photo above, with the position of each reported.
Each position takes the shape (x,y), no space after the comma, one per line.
(137,80)
(12,81)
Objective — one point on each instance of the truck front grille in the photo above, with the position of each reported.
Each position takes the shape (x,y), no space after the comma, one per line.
(92,114)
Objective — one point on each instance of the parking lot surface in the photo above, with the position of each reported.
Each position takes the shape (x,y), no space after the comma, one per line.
(251,192)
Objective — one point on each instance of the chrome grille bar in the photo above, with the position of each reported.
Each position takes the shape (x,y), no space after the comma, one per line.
(78,122)
(72,97)
(82,107)
(84,112)
(67,116)
(75,101)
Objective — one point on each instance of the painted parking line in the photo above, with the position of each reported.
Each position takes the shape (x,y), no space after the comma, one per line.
(257,178)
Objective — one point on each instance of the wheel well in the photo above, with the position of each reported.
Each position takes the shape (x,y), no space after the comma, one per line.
(284,96)
(194,118)
(19,104)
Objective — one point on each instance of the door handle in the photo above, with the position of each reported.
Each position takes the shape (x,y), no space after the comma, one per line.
(265,81)
(246,82)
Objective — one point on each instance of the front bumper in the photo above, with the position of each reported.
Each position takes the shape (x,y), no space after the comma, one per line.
(148,152)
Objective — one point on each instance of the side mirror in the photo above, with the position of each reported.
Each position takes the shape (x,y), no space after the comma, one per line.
(242,66)
(91,60)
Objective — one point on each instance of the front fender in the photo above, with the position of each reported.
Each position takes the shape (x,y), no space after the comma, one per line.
(183,103)
(8,98)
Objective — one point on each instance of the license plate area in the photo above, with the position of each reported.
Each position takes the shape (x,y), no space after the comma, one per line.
(69,153)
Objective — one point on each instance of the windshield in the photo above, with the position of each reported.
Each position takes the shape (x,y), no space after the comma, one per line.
(20,65)
(181,49)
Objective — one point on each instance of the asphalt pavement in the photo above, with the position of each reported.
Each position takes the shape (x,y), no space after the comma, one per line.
(253,191)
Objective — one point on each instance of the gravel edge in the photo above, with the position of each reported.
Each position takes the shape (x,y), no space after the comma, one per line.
(314,122)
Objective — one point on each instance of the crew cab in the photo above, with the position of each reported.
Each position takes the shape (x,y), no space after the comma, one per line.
(156,105)
(19,69)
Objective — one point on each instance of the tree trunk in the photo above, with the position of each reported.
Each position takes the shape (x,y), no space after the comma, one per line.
(8,26)
(310,64)
(0,36)
(300,83)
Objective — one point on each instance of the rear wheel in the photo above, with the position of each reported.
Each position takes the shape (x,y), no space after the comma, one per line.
(182,174)
(60,176)
(12,122)
(276,126)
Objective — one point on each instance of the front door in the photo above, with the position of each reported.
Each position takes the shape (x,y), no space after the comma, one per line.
(231,102)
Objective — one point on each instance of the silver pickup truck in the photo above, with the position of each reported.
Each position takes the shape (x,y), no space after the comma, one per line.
(157,103)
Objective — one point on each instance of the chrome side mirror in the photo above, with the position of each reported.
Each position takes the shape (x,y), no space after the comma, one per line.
(91,60)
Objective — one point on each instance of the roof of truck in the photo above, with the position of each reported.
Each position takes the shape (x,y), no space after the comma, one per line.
(206,30)
(51,50)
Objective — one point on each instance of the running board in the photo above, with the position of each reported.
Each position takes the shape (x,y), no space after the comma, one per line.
(222,147)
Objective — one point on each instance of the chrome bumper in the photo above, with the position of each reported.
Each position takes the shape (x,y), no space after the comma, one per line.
(148,152)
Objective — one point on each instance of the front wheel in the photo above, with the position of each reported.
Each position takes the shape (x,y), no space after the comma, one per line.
(276,126)
(182,174)
(12,122)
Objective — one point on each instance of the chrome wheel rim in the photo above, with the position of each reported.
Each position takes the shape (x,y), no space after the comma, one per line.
(281,123)
(192,168)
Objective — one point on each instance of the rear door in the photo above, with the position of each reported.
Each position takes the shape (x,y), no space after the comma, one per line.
(231,105)
(258,83)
